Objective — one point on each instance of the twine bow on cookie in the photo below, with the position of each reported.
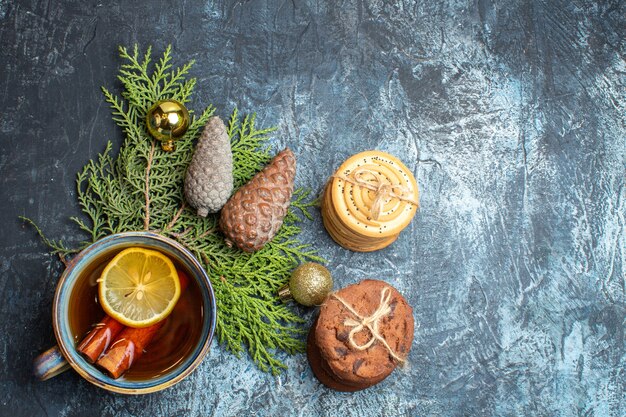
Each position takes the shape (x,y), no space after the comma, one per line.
(382,188)
(370,323)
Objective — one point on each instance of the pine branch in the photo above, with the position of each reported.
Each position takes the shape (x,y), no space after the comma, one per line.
(142,188)
(146,220)
(56,246)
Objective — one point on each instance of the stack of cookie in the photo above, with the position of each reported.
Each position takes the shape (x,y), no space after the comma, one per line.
(368,201)
(362,333)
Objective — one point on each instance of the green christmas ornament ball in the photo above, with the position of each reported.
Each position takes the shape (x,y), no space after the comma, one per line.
(309,285)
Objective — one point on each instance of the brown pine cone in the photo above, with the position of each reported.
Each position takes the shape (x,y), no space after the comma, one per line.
(254,214)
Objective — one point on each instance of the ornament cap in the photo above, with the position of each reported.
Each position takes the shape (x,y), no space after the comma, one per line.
(168,146)
(284,293)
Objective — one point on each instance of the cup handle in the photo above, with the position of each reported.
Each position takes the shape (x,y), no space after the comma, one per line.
(50,363)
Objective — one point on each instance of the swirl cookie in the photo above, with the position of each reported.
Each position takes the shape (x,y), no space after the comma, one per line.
(369,200)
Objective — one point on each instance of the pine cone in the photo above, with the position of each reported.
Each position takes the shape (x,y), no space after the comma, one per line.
(209,179)
(253,215)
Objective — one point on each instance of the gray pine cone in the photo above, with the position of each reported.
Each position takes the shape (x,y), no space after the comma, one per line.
(209,178)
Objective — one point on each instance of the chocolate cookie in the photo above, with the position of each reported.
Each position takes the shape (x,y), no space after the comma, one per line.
(320,370)
(351,366)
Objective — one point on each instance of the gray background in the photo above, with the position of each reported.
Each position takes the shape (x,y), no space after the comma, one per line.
(510,113)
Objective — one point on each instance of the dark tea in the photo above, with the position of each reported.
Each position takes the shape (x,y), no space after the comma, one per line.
(173,342)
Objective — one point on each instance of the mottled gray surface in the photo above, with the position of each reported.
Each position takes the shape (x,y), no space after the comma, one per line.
(511,114)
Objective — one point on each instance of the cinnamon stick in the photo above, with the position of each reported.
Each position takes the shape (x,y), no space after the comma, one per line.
(99,338)
(127,349)
(131,342)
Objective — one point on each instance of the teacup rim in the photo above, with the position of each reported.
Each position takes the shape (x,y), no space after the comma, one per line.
(74,359)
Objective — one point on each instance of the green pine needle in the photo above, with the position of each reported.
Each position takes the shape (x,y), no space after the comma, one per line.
(112,195)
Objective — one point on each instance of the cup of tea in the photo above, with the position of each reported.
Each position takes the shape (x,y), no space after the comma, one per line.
(173,350)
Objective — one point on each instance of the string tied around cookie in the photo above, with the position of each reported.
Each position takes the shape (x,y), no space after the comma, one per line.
(370,323)
(383,190)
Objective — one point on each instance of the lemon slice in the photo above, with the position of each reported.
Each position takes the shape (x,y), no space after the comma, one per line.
(139,287)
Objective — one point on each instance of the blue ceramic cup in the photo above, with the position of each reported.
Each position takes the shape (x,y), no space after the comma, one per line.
(64,355)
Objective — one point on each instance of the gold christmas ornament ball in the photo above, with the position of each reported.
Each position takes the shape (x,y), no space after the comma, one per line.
(309,285)
(167,121)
